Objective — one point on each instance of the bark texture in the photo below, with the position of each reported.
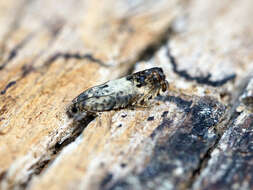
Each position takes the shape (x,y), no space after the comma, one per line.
(196,136)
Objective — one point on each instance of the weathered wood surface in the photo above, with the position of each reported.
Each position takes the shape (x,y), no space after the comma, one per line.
(196,136)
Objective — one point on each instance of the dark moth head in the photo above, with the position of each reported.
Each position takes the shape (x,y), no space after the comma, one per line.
(151,77)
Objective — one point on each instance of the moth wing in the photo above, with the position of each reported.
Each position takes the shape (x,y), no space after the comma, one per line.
(96,91)
(101,103)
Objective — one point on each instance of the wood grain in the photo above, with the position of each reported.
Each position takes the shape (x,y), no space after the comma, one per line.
(195,136)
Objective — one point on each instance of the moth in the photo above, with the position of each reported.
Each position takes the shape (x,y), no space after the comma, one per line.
(247,96)
(132,90)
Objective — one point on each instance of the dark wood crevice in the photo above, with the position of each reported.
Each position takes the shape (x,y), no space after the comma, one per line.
(14,52)
(78,56)
(199,79)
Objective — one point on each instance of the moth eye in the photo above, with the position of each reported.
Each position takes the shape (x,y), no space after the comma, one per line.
(142,79)
(74,110)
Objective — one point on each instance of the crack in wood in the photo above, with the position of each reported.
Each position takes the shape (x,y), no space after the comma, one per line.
(28,68)
(77,56)
(154,47)
(151,49)
(38,167)
(78,127)
(2,175)
(14,25)
(14,52)
(7,86)
(201,80)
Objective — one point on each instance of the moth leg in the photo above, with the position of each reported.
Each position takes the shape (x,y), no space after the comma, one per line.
(152,93)
(141,101)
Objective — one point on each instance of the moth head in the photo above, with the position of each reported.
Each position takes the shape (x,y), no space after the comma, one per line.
(158,77)
(72,110)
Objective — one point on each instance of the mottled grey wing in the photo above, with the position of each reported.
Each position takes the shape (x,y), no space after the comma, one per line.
(96,91)
(98,104)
